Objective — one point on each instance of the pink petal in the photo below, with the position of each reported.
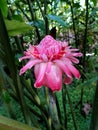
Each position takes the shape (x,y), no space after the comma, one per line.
(39,71)
(73,59)
(63,67)
(48,69)
(67,80)
(74,49)
(74,71)
(29,65)
(70,59)
(53,79)
(78,54)
(24,57)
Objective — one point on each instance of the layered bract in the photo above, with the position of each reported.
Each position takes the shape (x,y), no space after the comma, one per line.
(53,63)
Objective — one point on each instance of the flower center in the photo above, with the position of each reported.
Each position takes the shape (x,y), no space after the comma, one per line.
(51,53)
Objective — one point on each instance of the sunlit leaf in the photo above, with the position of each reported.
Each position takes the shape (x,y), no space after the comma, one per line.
(3,7)
(16,27)
(9,124)
(94,1)
(17,17)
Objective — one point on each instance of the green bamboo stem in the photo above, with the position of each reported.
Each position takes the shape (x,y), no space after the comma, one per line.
(22,101)
(84,51)
(6,99)
(37,114)
(5,43)
(31,91)
(32,16)
(35,97)
(85,34)
(45,18)
(19,43)
(5,96)
(31,111)
(37,102)
(72,111)
(44,13)
(94,117)
(23,12)
(4,39)
(40,8)
(73,21)
(9,56)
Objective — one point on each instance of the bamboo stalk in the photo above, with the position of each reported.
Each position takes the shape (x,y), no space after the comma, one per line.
(32,16)
(73,21)
(45,18)
(94,117)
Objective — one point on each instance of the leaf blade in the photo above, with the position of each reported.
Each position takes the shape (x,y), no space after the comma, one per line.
(56,18)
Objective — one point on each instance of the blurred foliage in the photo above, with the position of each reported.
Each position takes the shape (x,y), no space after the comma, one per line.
(28,21)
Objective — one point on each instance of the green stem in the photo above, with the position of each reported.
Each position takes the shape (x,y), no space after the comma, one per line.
(24,13)
(85,34)
(22,101)
(37,102)
(38,3)
(32,16)
(84,50)
(72,111)
(47,101)
(45,18)
(53,111)
(73,21)
(6,47)
(94,116)
(19,43)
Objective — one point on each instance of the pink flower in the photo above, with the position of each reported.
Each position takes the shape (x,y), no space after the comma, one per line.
(53,63)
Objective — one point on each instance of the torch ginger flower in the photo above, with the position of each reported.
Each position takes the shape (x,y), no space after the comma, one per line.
(53,63)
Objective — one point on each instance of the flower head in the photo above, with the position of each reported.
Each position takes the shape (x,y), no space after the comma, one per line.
(53,63)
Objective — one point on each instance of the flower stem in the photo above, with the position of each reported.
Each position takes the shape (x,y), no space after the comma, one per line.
(47,100)
(53,111)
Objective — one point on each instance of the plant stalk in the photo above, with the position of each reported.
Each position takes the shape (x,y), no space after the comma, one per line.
(73,21)
(32,16)
(53,111)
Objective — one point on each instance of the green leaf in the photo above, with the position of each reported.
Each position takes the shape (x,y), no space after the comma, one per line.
(88,82)
(56,18)
(94,117)
(40,24)
(6,96)
(15,27)
(17,17)
(3,7)
(94,2)
(93,13)
(9,124)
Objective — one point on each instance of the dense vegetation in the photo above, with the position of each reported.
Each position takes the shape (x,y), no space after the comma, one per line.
(27,22)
